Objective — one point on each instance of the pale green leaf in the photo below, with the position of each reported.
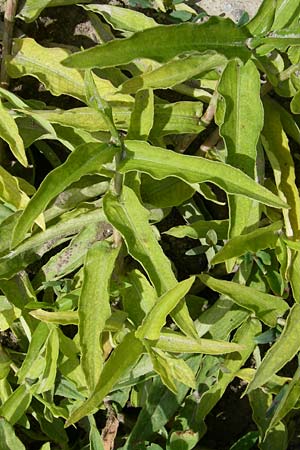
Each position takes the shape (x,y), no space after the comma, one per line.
(16,404)
(32,8)
(8,438)
(259,239)
(48,376)
(284,349)
(161,163)
(9,133)
(123,18)
(156,318)
(174,342)
(94,308)
(86,159)
(142,116)
(264,18)
(174,72)
(8,313)
(120,360)
(131,219)
(266,307)
(277,148)
(96,442)
(280,40)
(164,193)
(30,58)
(286,12)
(217,34)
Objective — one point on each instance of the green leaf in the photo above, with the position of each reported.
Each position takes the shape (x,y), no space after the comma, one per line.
(164,193)
(47,379)
(161,163)
(130,218)
(123,18)
(56,317)
(254,241)
(284,349)
(266,307)
(8,438)
(240,127)
(174,72)
(142,116)
(94,308)
(16,404)
(96,442)
(120,360)
(277,148)
(86,159)
(9,133)
(264,18)
(10,190)
(171,370)
(199,229)
(286,12)
(174,342)
(156,317)
(280,40)
(30,58)
(217,34)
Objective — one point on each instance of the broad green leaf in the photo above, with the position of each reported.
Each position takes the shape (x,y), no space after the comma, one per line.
(180,117)
(94,308)
(286,12)
(240,127)
(277,148)
(123,18)
(9,133)
(217,34)
(264,18)
(157,316)
(30,58)
(120,360)
(284,349)
(8,438)
(174,342)
(34,353)
(130,218)
(287,401)
(174,72)
(254,241)
(161,163)
(164,193)
(171,370)
(138,296)
(86,159)
(199,229)
(16,404)
(142,116)
(40,243)
(266,307)
(47,379)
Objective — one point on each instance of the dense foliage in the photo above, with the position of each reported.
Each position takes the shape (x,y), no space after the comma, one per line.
(150,230)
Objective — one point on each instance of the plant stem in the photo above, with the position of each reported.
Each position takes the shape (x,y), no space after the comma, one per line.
(9,18)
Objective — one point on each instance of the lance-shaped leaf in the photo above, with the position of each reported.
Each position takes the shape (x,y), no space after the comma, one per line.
(48,376)
(217,34)
(156,318)
(279,40)
(120,360)
(142,116)
(180,117)
(87,158)
(277,148)
(263,19)
(174,72)
(8,438)
(30,58)
(161,163)
(9,133)
(267,307)
(171,370)
(130,218)
(240,126)
(286,13)
(199,229)
(260,239)
(10,190)
(16,404)
(123,18)
(284,349)
(174,342)
(94,308)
